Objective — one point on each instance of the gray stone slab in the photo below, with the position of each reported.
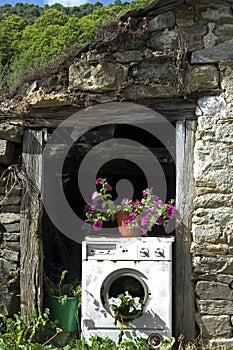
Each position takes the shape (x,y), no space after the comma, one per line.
(217,326)
(213,290)
(162,21)
(219,53)
(12,227)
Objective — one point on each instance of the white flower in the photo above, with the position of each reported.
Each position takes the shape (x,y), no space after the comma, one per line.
(137,304)
(131,309)
(128,295)
(115,301)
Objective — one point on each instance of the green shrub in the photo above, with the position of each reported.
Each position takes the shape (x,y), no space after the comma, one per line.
(16,334)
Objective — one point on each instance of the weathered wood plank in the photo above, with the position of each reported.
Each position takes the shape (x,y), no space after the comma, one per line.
(30,241)
(184,293)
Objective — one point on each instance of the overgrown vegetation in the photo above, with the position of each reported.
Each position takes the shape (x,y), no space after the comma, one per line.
(42,333)
(16,334)
(31,36)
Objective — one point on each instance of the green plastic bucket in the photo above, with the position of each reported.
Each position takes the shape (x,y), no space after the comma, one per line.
(66,314)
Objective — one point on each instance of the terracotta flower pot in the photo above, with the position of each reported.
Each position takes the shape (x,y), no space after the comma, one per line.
(121,218)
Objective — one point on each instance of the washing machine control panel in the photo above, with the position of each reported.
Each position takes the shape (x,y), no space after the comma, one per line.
(137,249)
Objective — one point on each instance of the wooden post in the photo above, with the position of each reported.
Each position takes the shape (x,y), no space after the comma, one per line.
(184,308)
(31,261)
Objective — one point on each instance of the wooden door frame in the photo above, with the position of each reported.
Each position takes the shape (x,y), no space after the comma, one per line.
(184,308)
(31,258)
(31,263)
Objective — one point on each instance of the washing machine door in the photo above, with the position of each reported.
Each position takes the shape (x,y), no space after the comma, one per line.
(122,280)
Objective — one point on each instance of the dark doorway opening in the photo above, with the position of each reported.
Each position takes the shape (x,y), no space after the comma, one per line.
(61,251)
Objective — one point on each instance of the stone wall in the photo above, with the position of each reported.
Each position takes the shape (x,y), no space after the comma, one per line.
(180,53)
(212,226)
(10,151)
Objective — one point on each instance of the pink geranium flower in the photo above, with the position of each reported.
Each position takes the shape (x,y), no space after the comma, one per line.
(97,225)
(98,181)
(170,211)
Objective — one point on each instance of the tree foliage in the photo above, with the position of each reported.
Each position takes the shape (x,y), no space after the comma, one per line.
(32,35)
(10,35)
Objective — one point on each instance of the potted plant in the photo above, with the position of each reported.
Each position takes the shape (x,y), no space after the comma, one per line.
(125,308)
(142,215)
(64,300)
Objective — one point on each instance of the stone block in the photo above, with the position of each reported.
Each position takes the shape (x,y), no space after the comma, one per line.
(215,326)
(215,12)
(128,56)
(222,175)
(14,246)
(222,343)
(13,236)
(12,131)
(6,266)
(167,40)
(10,255)
(213,290)
(221,264)
(224,132)
(209,160)
(154,72)
(208,249)
(162,21)
(192,36)
(9,218)
(141,91)
(217,277)
(215,217)
(103,77)
(12,227)
(211,105)
(201,78)
(6,152)
(213,200)
(219,53)
(215,307)
(203,233)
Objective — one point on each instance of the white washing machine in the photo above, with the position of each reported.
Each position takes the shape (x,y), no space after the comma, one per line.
(143,266)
